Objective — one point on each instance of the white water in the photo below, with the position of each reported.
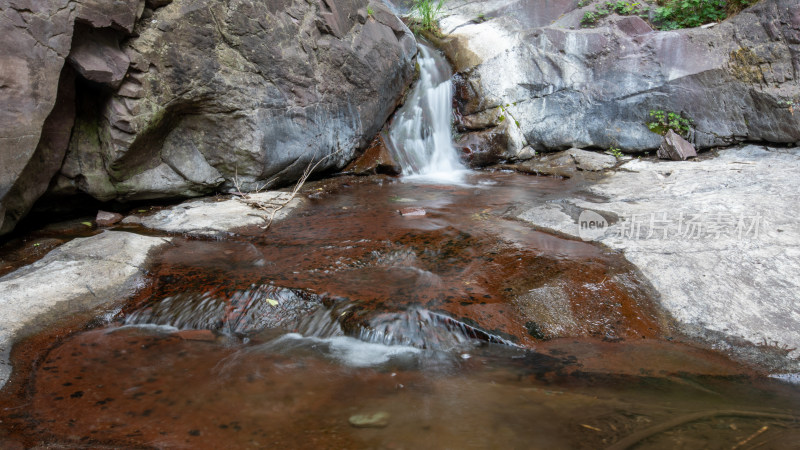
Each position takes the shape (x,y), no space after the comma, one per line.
(420,135)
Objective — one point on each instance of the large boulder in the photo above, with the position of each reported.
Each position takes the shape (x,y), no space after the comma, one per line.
(717,238)
(530,62)
(36,94)
(240,94)
(183,98)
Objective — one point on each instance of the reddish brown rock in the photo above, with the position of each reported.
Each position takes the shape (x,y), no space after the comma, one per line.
(633,26)
(376,159)
(676,148)
(106,219)
(412,211)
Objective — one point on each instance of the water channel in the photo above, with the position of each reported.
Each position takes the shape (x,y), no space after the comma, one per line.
(387,312)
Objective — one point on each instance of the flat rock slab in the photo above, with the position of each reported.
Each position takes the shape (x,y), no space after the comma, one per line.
(719,239)
(207,217)
(75,277)
(566,163)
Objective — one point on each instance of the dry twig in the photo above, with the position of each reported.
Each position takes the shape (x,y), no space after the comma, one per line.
(272,206)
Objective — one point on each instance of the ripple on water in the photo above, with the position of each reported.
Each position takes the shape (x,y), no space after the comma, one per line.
(464,326)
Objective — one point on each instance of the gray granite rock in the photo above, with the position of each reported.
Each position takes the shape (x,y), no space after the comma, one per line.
(719,240)
(206,217)
(568,86)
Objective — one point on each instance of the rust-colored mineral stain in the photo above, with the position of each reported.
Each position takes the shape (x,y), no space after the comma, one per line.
(582,308)
(463,258)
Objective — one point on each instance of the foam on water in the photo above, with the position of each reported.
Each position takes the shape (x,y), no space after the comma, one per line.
(347,350)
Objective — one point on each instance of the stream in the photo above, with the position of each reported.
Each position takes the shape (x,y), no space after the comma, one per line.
(393,313)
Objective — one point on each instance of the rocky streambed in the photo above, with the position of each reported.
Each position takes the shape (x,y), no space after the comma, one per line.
(430,307)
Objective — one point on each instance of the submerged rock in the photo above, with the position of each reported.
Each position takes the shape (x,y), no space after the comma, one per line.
(376,420)
(533,65)
(73,278)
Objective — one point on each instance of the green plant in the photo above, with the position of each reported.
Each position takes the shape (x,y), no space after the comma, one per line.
(589,18)
(674,14)
(583,3)
(621,7)
(370,12)
(428,12)
(665,121)
(615,152)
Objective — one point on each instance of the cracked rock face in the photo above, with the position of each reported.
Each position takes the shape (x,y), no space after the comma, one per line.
(36,95)
(563,86)
(183,98)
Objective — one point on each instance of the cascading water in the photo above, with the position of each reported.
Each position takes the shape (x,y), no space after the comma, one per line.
(420,135)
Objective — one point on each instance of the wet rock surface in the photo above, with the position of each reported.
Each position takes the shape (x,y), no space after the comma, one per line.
(464,264)
(75,277)
(717,238)
(560,86)
(125,387)
(455,324)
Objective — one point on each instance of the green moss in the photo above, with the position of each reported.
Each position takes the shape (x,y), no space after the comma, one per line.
(746,66)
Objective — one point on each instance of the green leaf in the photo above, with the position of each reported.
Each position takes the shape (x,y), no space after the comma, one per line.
(88,224)
(272,302)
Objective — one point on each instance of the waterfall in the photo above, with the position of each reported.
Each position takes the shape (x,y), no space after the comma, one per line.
(420,135)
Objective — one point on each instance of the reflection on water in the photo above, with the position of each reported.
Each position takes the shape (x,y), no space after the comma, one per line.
(462,328)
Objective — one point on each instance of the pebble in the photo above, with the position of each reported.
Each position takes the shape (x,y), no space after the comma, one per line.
(377,420)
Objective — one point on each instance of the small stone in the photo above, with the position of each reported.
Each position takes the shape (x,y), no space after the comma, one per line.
(106,219)
(377,420)
(676,148)
(412,211)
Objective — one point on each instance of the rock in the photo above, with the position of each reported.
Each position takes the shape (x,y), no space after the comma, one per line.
(718,239)
(200,94)
(497,139)
(97,57)
(251,91)
(76,277)
(676,148)
(591,161)
(595,87)
(376,420)
(566,163)
(633,26)
(37,90)
(412,211)
(106,219)
(210,217)
(376,159)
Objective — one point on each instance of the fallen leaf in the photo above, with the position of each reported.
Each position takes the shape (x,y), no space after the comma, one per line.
(272,302)
(88,224)
(590,427)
